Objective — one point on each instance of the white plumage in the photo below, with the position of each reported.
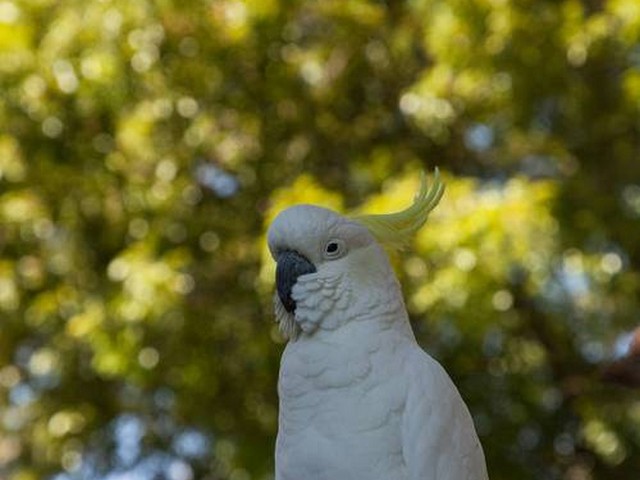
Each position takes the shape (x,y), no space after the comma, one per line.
(359,399)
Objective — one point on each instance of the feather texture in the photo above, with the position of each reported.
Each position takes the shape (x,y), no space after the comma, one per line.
(396,230)
(359,399)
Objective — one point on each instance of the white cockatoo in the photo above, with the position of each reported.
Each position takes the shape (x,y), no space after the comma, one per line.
(359,399)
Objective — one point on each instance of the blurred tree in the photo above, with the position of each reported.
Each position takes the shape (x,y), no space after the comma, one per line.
(145,145)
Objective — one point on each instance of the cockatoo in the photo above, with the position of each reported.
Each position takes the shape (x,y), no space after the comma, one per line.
(359,398)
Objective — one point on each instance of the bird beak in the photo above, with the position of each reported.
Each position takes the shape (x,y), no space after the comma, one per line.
(290,266)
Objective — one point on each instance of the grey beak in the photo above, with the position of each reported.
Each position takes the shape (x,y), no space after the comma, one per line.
(290,266)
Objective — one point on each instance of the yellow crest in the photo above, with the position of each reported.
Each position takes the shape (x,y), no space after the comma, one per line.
(397,229)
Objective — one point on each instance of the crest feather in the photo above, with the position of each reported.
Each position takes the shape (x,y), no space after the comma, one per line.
(396,230)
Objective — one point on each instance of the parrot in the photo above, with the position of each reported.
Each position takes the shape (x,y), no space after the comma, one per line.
(358,397)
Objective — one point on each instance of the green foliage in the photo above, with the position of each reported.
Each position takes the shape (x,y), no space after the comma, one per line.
(146,145)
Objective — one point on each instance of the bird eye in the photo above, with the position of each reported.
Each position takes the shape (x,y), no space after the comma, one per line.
(334,249)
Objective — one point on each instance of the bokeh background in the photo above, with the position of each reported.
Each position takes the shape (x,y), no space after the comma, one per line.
(145,145)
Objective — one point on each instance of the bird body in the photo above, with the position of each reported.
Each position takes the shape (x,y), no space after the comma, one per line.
(359,399)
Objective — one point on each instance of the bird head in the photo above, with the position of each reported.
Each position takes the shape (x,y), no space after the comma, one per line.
(329,266)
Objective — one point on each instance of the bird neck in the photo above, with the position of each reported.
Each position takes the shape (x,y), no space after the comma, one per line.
(373,306)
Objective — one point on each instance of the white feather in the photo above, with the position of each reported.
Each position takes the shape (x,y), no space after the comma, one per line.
(359,399)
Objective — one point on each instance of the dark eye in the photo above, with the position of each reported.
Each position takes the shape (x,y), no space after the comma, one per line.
(334,249)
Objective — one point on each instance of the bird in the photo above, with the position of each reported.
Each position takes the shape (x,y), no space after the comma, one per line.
(358,397)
